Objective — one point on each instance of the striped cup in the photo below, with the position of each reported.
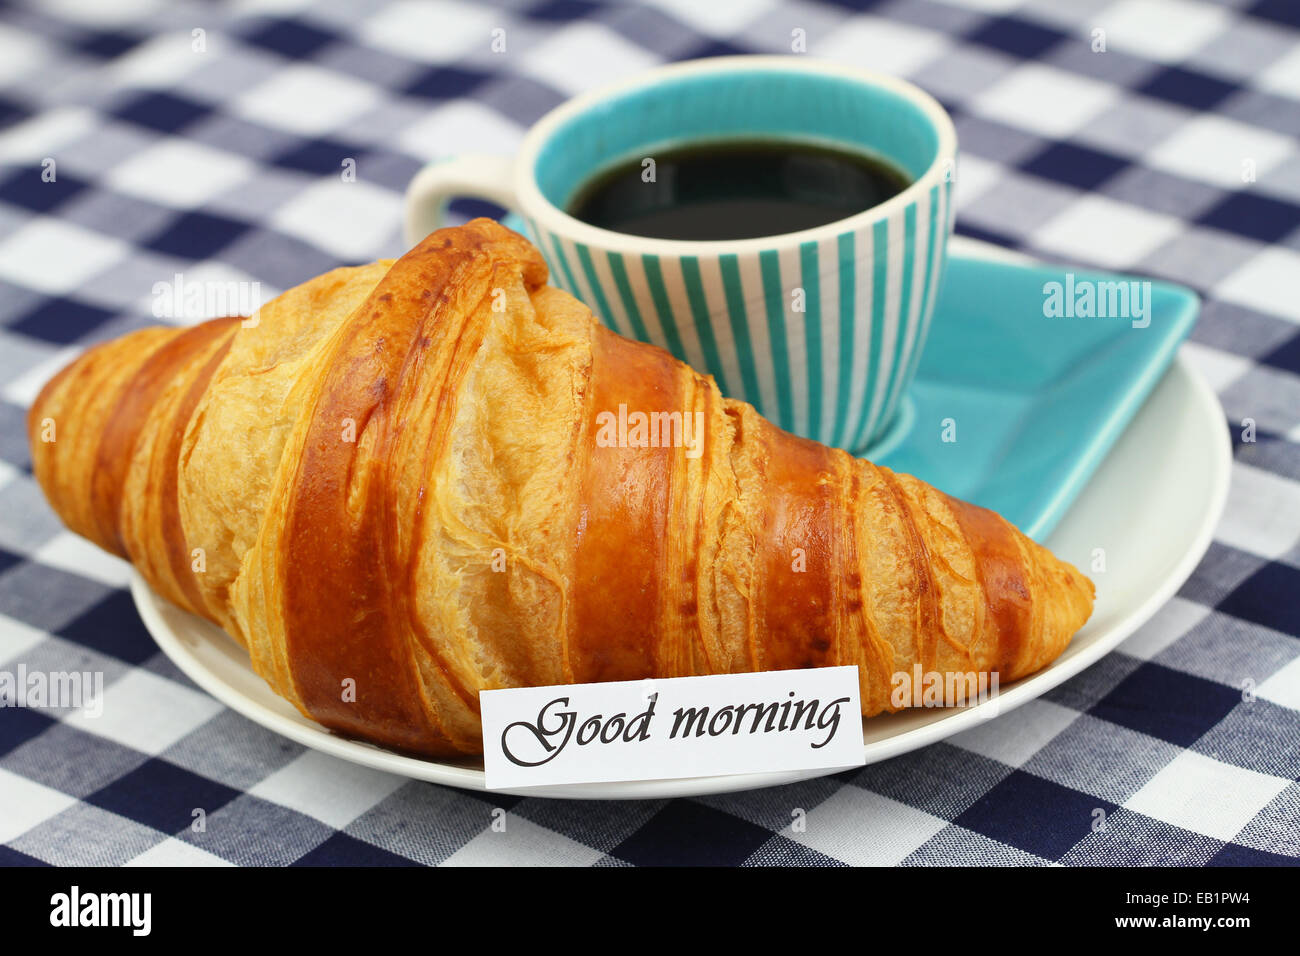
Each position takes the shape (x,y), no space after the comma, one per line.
(821,329)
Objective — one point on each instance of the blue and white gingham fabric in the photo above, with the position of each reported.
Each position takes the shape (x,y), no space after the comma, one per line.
(217,155)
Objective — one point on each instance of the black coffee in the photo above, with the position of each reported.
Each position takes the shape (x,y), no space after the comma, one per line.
(735,190)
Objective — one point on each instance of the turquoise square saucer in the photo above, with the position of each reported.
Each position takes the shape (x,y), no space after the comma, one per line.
(1013,409)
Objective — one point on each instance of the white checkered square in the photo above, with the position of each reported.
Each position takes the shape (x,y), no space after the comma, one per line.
(53,256)
(1014,740)
(307,100)
(17,638)
(1162,30)
(885,46)
(1282,687)
(1266,282)
(74,554)
(1220,368)
(434,32)
(147,712)
(34,140)
(862,828)
(23,389)
(1045,100)
(1283,77)
(1167,625)
(161,61)
(1107,232)
(333,791)
(714,19)
(173,852)
(975,177)
(988,6)
(1221,151)
(25,803)
(20,52)
(349,220)
(521,843)
(605,56)
(93,13)
(180,173)
(1206,796)
(444,131)
(1263,512)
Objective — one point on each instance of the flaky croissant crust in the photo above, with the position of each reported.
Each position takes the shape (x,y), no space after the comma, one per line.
(389,486)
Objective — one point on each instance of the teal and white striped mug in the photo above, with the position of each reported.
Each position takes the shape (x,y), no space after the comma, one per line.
(821,329)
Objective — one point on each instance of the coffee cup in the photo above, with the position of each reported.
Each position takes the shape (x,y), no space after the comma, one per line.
(820,329)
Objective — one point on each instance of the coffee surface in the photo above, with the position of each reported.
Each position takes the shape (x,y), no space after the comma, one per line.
(735,190)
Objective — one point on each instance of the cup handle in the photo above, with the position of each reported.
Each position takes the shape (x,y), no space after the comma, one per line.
(475,176)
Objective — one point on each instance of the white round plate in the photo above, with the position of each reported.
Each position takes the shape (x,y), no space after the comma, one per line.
(1152,505)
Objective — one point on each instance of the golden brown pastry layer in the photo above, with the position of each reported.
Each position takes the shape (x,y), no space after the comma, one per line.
(392,486)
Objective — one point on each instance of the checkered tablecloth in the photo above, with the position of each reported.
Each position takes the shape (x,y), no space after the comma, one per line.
(216,155)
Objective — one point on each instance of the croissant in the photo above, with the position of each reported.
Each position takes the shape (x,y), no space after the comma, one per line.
(403,483)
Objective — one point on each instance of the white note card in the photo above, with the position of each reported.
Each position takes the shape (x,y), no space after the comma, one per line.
(677,727)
